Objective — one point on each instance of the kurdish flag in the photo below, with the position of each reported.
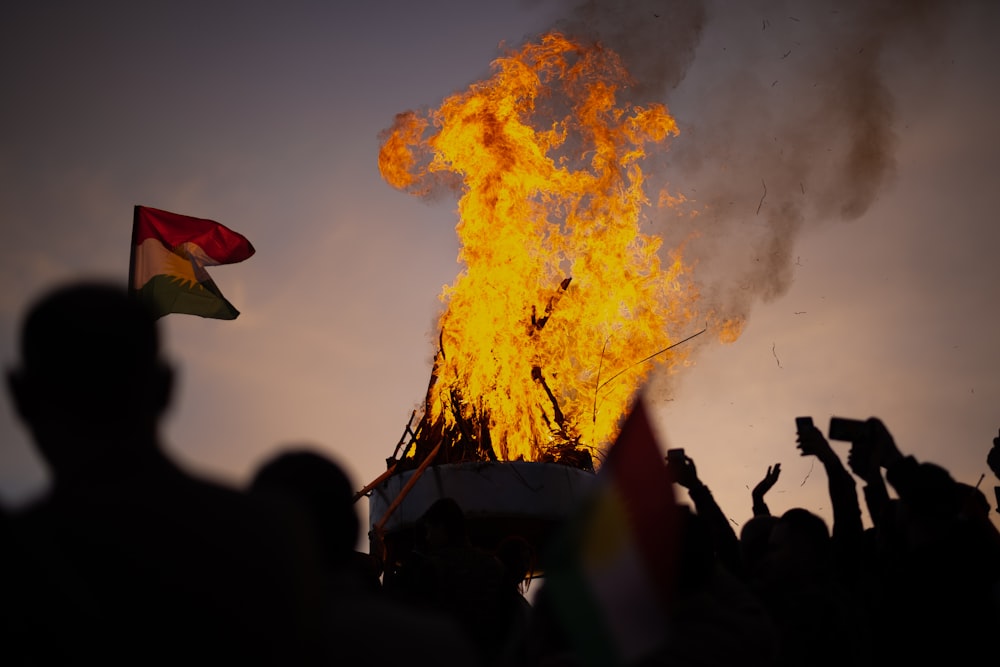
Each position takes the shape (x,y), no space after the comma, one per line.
(610,576)
(169,256)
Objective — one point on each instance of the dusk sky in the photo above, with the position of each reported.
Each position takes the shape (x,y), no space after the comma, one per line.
(839,169)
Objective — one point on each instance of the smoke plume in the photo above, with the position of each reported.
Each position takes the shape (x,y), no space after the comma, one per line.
(786,115)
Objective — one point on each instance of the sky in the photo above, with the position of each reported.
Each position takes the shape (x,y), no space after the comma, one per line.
(838,166)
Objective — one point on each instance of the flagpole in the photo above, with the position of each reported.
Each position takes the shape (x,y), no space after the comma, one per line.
(131,255)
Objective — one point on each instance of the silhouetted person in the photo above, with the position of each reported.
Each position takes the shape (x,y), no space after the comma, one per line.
(518,559)
(726,544)
(462,580)
(361,626)
(322,491)
(517,556)
(129,559)
(939,564)
(847,527)
(755,537)
(993,461)
(819,620)
(848,542)
(712,619)
(715,619)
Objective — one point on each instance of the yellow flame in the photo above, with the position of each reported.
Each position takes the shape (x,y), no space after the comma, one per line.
(562,294)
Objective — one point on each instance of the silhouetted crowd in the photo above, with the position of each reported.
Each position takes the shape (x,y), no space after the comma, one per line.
(129,559)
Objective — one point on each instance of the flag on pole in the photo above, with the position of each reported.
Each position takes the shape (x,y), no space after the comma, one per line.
(610,576)
(170,253)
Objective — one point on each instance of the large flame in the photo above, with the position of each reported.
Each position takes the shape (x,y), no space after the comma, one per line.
(563,305)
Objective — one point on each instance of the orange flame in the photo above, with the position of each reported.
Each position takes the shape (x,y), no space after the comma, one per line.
(562,294)
(731,329)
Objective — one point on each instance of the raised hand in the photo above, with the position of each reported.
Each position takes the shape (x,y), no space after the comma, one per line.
(812,443)
(764,485)
(684,472)
(885,451)
(862,461)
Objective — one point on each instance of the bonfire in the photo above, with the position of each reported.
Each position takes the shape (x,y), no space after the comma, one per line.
(564,306)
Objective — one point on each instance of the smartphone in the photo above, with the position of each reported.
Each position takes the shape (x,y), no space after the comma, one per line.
(675,456)
(849,430)
(803,424)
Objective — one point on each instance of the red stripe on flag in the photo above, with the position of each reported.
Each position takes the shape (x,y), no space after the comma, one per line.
(216,240)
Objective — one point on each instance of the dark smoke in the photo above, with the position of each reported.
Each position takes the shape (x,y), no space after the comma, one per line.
(786,116)
(655,38)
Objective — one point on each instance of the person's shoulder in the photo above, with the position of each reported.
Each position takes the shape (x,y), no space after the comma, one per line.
(239,510)
(214,509)
(208,493)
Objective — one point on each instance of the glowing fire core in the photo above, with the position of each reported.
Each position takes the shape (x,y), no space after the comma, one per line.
(561,294)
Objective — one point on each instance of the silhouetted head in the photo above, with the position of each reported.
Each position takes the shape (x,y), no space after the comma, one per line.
(799,542)
(973,502)
(935,494)
(322,490)
(802,526)
(518,558)
(90,378)
(444,522)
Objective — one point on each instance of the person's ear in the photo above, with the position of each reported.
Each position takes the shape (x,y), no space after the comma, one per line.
(18,386)
(163,387)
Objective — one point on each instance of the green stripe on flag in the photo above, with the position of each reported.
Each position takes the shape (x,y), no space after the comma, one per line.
(170,294)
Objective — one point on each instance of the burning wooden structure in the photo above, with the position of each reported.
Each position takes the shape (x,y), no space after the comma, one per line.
(562,298)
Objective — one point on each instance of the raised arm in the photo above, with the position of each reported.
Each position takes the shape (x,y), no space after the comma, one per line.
(727,545)
(843,492)
(863,462)
(760,508)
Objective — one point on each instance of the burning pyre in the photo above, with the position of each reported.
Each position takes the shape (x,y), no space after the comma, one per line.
(564,306)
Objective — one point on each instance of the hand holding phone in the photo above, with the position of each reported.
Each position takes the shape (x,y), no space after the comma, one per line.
(682,468)
(848,430)
(803,425)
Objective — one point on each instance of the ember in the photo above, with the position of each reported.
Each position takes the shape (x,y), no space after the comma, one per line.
(561,290)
